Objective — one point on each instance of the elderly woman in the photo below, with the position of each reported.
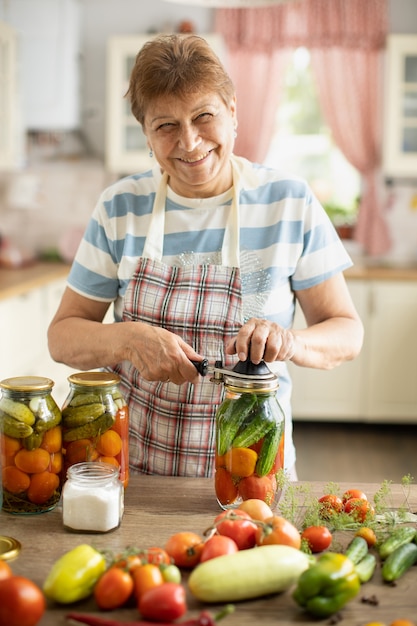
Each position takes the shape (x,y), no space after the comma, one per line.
(203,256)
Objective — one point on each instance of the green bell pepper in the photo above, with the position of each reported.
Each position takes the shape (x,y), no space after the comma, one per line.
(328,585)
(74,575)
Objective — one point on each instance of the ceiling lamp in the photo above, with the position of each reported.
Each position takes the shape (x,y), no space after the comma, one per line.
(231,4)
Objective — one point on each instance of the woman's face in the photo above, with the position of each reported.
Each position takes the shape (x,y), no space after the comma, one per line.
(192,139)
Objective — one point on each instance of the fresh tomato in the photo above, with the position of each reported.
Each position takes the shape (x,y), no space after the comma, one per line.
(318,538)
(218,545)
(359,509)
(113,588)
(402,622)
(239,526)
(146,577)
(22,603)
(170,573)
(5,570)
(184,548)
(261,488)
(256,508)
(353,493)
(368,534)
(330,504)
(165,603)
(278,530)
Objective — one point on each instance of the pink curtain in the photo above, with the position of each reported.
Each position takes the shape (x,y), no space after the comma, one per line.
(346,38)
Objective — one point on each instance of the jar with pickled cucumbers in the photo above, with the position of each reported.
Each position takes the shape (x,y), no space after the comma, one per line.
(31,445)
(250,426)
(95,420)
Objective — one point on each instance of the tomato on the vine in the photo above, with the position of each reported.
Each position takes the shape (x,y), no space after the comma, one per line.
(318,538)
(237,525)
(146,577)
(329,505)
(368,534)
(218,545)
(184,548)
(278,530)
(165,603)
(170,573)
(353,493)
(359,509)
(22,603)
(113,588)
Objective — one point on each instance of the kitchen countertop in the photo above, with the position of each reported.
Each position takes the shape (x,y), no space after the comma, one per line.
(155,508)
(14,282)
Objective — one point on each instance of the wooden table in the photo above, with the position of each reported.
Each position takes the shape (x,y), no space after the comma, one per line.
(155,508)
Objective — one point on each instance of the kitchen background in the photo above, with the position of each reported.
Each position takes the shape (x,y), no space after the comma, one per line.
(60,146)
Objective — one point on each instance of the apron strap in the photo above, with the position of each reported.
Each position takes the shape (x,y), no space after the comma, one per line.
(153,248)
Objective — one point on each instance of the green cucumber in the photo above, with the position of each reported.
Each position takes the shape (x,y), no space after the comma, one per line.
(232,419)
(13,427)
(269,450)
(82,415)
(398,562)
(398,537)
(366,567)
(260,424)
(18,410)
(92,429)
(357,550)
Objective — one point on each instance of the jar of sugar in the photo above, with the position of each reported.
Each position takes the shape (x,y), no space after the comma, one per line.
(92,497)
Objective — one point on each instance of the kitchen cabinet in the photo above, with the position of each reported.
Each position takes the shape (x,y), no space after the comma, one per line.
(126,148)
(10,128)
(400,111)
(380,385)
(48,36)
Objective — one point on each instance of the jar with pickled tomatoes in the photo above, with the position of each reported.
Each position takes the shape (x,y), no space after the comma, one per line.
(95,420)
(250,427)
(30,444)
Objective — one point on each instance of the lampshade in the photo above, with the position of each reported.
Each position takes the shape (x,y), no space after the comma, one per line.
(231,4)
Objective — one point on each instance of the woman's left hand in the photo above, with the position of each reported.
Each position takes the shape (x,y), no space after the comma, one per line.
(262,340)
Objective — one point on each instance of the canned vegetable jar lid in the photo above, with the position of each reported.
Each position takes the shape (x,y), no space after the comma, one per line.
(94,379)
(9,548)
(27,383)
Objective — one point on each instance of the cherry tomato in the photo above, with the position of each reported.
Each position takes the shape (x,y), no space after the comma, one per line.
(217,546)
(164,603)
(113,589)
(402,622)
(146,577)
(239,526)
(359,509)
(5,570)
(22,603)
(184,548)
(319,538)
(330,504)
(170,573)
(256,508)
(278,530)
(368,534)
(354,493)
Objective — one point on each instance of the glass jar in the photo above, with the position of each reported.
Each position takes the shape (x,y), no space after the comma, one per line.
(31,445)
(95,419)
(250,427)
(92,498)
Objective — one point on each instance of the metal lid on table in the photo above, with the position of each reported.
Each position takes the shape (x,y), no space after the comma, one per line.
(9,548)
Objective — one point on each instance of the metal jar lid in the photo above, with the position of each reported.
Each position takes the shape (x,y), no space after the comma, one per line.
(94,379)
(9,548)
(247,376)
(27,383)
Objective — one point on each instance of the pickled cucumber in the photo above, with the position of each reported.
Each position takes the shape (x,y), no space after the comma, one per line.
(17,410)
(13,427)
(91,429)
(33,441)
(75,416)
(85,398)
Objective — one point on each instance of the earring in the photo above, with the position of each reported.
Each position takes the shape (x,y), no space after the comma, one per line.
(150,153)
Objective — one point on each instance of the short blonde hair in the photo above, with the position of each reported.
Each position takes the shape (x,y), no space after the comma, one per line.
(176,65)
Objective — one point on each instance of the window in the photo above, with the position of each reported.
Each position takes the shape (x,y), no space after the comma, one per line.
(303,145)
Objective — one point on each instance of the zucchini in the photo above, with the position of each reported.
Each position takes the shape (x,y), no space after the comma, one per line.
(232,419)
(357,550)
(268,451)
(366,567)
(398,562)
(398,537)
(248,574)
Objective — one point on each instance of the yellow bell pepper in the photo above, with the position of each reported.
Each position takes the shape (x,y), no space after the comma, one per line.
(74,575)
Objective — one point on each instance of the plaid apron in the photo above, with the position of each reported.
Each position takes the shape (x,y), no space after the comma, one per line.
(172,428)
